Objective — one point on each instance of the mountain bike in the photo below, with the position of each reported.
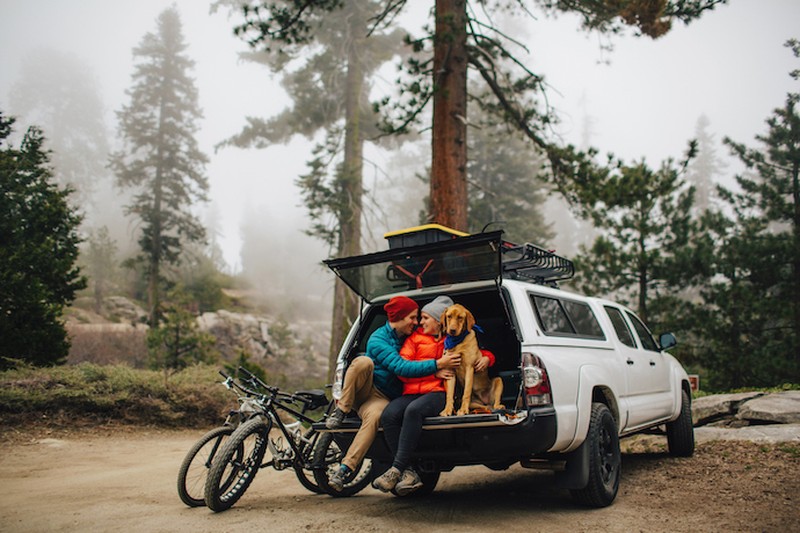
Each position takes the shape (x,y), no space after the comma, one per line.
(251,446)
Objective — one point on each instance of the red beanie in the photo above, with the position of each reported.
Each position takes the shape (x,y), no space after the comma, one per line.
(399,307)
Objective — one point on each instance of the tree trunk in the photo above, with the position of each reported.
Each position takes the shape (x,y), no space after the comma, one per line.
(449,152)
(345,303)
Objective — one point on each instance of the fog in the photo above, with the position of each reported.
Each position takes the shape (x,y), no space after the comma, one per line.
(641,100)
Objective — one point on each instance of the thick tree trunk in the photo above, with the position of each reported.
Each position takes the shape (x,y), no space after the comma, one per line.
(345,303)
(449,154)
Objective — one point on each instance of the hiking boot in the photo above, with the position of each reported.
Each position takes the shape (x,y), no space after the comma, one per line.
(387,481)
(409,482)
(334,419)
(337,480)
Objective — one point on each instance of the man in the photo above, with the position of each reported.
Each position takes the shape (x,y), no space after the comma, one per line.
(371,381)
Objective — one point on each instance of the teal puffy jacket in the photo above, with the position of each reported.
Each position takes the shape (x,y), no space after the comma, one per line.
(383,347)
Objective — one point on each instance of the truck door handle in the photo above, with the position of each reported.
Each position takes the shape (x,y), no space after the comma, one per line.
(652,363)
(630,361)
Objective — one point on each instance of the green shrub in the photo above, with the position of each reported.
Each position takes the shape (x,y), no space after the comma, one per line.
(116,393)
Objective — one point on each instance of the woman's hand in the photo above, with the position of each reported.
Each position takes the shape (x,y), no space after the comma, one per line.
(482,364)
(445,373)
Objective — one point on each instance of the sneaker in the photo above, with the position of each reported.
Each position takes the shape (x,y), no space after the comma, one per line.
(409,482)
(387,481)
(334,419)
(337,480)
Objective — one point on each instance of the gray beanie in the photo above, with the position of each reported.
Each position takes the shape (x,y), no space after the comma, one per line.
(437,306)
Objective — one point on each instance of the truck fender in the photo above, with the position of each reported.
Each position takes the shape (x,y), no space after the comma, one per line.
(594,385)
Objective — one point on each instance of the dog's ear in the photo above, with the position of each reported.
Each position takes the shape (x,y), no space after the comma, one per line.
(470,320)
(443,319)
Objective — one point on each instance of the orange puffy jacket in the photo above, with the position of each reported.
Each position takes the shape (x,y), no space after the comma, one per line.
(419,346)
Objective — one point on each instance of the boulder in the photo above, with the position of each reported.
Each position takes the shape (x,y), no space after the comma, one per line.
(776,408)
(709,409)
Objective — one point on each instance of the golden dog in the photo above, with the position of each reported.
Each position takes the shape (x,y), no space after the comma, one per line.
(478,389)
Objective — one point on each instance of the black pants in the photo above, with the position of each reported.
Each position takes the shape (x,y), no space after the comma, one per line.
(402,423)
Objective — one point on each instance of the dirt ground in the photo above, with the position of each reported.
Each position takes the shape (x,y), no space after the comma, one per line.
(124,479)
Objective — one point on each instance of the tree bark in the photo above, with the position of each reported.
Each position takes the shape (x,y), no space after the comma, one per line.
(448,192)
(345,303)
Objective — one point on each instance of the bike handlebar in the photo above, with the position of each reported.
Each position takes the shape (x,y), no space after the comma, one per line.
(274,392)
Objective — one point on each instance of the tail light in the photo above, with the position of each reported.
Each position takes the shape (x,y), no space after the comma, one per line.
(338,380)
(535,381)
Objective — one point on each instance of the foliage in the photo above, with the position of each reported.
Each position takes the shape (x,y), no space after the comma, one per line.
(644,219)
(57,91)
(244,361)
(177,341)
(101,264)
(160,159)
(71,395)
(504,186)
(751,322)
(38,252)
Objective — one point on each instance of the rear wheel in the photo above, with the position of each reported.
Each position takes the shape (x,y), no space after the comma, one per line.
(306,475)
(194,469)
(328,458)
(680,433)
(604,460)
(236,464)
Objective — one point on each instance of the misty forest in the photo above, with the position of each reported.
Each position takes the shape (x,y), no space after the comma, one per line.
(108,257)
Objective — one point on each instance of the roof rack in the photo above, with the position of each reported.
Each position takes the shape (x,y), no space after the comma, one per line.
(531,262)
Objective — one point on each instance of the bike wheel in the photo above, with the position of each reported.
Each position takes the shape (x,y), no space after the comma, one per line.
(236,464)
(328,458)
(194,469)
(306,475)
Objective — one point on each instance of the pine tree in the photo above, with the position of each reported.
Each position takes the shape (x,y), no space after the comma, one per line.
(160,159)
(38,252)
(644,219)
(330,89)
(754,296)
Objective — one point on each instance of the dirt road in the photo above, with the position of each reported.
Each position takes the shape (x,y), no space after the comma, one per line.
(125,480)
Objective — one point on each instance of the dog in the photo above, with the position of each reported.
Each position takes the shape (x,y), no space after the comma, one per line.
(479,391)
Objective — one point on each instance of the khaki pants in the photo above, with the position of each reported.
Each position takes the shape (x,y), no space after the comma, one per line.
(360,394)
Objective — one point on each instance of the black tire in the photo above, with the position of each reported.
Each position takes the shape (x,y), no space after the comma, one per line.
(194,469)
(306,475)
(680,432)
(605,460)
(429,481)
(328,458)
(237,464)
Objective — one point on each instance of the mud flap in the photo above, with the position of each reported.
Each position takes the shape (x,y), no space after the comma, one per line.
(576,473)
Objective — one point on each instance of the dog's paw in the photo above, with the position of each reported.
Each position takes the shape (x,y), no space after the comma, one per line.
(446,412)
(462,412)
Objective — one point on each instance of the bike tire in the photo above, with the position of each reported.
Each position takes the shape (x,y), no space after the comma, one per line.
(306,475)
(328,458)
(237,464)
(195,466)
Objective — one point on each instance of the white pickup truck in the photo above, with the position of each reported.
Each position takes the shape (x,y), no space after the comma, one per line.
(578,372)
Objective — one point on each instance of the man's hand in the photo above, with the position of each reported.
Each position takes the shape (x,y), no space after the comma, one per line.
(448,360)
(446,373)
(482,364)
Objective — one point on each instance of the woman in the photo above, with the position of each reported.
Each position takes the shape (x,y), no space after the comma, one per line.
(422,397)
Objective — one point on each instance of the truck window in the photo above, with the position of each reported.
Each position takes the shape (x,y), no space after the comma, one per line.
(566,318)
(644,334)
(620,327)
(583,319)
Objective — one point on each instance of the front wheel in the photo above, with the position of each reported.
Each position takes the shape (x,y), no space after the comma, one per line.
(237,464)
(605,460)
(328,458)
(680,432)
(194,469)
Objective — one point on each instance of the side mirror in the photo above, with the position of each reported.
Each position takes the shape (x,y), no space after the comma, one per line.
(667,341)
